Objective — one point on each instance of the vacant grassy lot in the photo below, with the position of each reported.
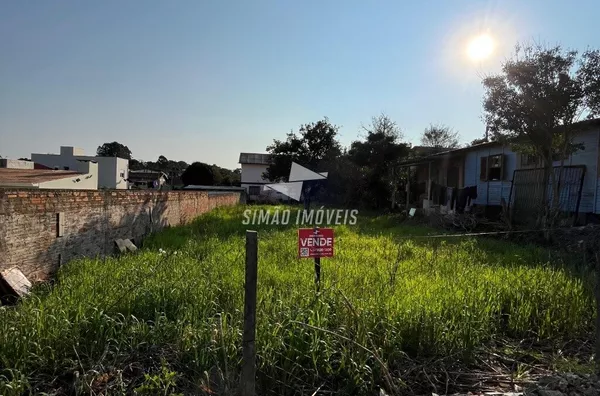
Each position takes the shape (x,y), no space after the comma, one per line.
(169,318)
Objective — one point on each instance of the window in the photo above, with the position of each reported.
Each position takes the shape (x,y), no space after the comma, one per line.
(530,160)
(557,155)
(483,169)
(254,190)
(495,167)
(491,168)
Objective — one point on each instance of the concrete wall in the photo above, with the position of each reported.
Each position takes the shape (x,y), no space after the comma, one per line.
(15,164)
(91,220)
(252,173)
(88,180)
(109,168)
(55,161)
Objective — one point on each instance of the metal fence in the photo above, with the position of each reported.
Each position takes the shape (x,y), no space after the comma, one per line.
(529,193)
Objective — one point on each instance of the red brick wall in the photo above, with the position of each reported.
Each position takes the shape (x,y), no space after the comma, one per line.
(92,221)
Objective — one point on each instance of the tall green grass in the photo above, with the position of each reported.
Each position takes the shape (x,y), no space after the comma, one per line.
(384,298)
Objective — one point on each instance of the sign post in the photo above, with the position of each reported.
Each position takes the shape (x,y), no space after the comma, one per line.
(315,243)
(318,266)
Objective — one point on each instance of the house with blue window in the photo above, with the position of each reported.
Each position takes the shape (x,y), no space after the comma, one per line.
(492,175)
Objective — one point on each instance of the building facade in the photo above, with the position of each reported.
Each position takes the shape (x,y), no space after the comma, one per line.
(254,165)
(84,176)
(497,173)
(113,172)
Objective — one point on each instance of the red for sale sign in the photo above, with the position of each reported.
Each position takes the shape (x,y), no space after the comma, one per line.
(315,242)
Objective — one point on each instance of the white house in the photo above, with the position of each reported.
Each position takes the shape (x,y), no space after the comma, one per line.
(147,178)
(84,176)
(253,167)
(113,172)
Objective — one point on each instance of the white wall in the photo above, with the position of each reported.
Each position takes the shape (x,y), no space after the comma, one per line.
(122,168)
(252,173)
(55,161)
(109,168)
(84,181)
(15,164)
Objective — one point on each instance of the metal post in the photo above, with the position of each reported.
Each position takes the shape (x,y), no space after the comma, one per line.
(429,183)
(248,378)
(579,196)
(597,296)
(317,267)
(512,183)
(408,191)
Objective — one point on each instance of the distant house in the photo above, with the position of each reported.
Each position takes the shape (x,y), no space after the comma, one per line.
(83,177)
(113,172)
(253,166)
(494,174)
(146,178)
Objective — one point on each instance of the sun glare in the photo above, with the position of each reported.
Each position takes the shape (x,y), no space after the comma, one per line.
(480,48)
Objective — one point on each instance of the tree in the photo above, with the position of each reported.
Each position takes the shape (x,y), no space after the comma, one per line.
(475,142)
(440,136)
(135,164)
(589,75)
(218,174)
(114,149)
(163,163)
(315,143)
(535,102)
(313,147)
(198,173)
(378,156)
(228,177)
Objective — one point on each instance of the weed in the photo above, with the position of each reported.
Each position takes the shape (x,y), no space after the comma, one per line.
(384,298)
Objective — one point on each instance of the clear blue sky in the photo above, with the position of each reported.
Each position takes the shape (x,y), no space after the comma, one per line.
(203,80)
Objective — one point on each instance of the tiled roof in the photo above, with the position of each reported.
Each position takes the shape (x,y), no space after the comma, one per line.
(33,176)
(255,158)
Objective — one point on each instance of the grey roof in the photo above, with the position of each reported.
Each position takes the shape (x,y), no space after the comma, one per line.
(255,158)
(577,127)
(445,154)
(146,171)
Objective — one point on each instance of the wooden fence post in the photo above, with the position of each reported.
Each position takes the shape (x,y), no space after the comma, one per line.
(248,379)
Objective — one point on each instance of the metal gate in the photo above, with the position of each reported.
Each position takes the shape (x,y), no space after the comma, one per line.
(528,189)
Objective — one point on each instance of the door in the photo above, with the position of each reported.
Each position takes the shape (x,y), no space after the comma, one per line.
(453,176)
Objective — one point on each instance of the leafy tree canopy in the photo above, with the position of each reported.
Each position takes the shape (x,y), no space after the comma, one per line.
(114,149)
(315,143)
(378,156)
(475,142)
(440,136)
(536,100)
(198,173)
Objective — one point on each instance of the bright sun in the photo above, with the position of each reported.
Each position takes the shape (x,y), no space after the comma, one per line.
(480,48)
